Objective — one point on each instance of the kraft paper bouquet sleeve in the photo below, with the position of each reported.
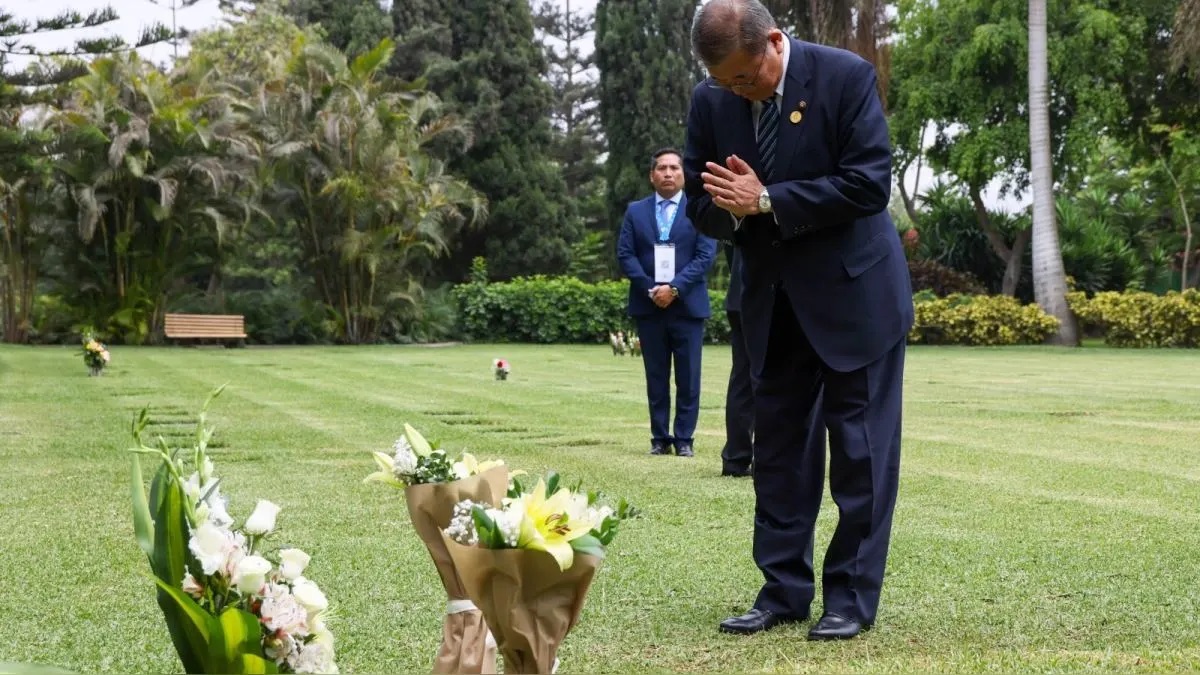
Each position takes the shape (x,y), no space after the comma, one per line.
(528,564)
(433,484)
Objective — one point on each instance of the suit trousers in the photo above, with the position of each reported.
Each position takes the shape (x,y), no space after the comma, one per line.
(861,410)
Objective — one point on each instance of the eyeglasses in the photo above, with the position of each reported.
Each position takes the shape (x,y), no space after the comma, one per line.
(714,84)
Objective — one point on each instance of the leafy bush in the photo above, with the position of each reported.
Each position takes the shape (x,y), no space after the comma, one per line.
(978,320)
(1141,319)
(929,275)
(551,310)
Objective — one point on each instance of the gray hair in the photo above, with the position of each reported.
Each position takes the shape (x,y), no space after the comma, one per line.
(722,27)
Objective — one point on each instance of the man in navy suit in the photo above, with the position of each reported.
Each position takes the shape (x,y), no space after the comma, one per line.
(666,261)
(788,157)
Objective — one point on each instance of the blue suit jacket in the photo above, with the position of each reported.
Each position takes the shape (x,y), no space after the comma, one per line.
(694,254)
(829,242)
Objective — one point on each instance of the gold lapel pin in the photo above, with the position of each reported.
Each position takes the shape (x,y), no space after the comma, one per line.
(798,114)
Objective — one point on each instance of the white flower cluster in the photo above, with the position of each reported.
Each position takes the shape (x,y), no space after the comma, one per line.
(462,525)
(405,460)
(508,521)
(291,608)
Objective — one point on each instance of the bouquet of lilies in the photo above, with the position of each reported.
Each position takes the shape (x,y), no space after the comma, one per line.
(528,561)
(433,482)
(501,368)
(95,354)
(232,602)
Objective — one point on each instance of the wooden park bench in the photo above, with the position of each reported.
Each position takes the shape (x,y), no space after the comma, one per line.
(221,327)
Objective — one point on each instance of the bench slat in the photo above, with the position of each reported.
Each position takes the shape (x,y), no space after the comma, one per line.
(205,326)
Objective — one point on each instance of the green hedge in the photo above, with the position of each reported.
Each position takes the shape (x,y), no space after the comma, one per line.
(978,320)
(550,310)
(1141,319)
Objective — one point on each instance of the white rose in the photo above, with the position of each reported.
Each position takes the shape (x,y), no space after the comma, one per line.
(461,471)
(212,546)
(262,520)
(292,562)
(310,596)
(251,574)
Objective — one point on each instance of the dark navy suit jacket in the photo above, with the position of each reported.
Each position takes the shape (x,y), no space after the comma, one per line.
(694,254)
(829,243)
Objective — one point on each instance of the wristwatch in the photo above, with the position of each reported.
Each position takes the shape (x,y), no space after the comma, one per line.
(764,201)
(674,292)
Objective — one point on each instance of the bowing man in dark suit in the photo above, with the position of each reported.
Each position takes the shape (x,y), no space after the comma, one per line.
(666,261)
(788,157)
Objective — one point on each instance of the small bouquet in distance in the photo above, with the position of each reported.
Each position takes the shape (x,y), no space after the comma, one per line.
(433,482)
(501,368)
(528,561)
(95,354)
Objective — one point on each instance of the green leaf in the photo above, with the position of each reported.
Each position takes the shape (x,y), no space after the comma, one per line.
(241,636)
(419,445)
(486,529)
(552,481)
(169,562)
(588,544)
(369,62)
(193,630)
(143,526)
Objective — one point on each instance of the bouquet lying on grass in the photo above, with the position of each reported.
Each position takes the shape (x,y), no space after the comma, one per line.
(95,354)
(232,602)
(433,482)
(528,561)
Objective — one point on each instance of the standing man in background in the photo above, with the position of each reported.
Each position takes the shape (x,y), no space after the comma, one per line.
(666,261)
(788,157)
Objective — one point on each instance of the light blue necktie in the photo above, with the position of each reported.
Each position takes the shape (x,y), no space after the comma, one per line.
(664,219)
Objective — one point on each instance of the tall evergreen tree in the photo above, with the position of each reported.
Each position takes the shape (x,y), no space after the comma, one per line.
(490,71)
(647,74)
(578,140)
(353,26)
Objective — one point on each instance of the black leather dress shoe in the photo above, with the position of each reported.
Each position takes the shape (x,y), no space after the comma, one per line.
(736,472)
(684,450)
(755,621)
(836,627)
(659,448)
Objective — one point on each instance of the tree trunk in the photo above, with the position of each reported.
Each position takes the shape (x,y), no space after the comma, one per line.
(1049,277)
(1011,256)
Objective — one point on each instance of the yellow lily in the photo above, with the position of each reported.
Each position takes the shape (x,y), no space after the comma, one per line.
(551,524)
(469,466)
(386,473)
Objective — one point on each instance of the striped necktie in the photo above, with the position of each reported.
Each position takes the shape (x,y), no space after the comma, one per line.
(768,131)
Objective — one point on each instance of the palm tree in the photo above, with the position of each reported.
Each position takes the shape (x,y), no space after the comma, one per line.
(1185,39)
(151,162)
(1049,277)
(346,157)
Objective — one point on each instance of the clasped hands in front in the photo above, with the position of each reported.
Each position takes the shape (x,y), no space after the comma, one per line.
(734,187)
(661,295)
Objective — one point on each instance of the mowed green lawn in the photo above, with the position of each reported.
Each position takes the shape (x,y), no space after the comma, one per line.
(1047,519)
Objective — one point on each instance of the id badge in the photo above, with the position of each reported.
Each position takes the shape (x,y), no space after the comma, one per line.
(664,263)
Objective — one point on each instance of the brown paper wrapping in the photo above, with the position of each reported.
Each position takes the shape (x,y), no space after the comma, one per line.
(527,601)
(464,647)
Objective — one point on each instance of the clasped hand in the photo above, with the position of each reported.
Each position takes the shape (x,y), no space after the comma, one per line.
(662,295)
(734,187)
